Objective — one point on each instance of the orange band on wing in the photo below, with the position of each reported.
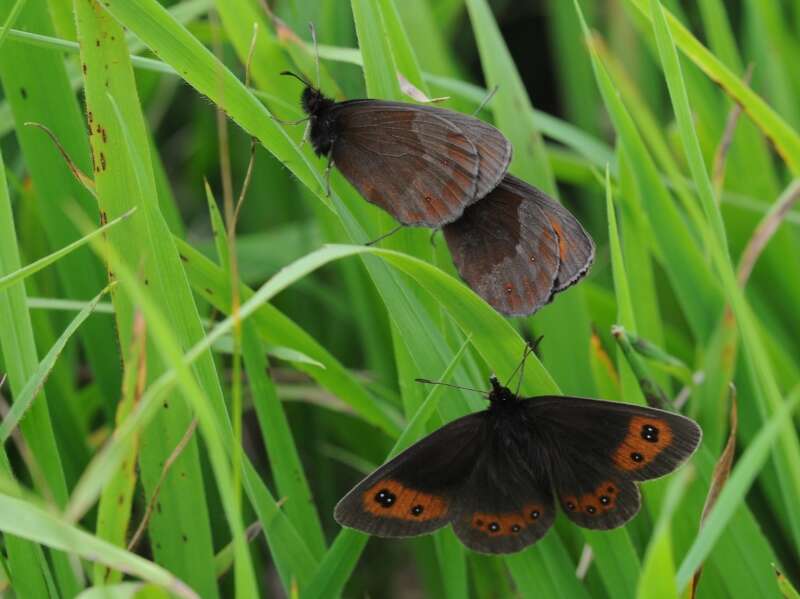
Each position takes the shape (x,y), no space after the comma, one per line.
(647,437)
(503,525)
(603,499)
(389,498)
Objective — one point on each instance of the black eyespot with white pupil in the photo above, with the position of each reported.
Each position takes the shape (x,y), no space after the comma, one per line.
(385,498)
(494,526)
(650,433)
(516,528)
(636,456)
(604,499)
(570,506)
(416,510)
(591,509)
(534,514)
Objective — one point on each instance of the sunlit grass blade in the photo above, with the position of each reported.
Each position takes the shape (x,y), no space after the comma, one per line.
(698,294)
(23,519)
(768,393)
(274,327)
(38,89)
(731,497)
(657,580)
(34,385)
(20,274)
(31,572)
(125,590)
(284,460)
(12,15)
(773,126)
(171,353)
(114,507)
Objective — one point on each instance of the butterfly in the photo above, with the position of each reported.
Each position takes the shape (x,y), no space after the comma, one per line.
(422,164)
(428,166)
(496,476)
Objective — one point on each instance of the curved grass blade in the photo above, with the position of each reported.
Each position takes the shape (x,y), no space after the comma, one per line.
(760,367)
(731,497)
(786,140)
(34,267)
(34,385)
(23,519)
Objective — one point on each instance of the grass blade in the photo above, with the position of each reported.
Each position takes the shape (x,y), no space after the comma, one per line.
(21,518)
(786,140)
(733,494)
(34,385)
(21,273)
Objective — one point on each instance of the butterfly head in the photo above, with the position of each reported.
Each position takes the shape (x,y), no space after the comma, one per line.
(312,100)
(500,395)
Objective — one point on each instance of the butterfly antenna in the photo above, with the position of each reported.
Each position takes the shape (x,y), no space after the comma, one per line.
(300,78)
(316,51)
(486,100)
(530,347)
(430,382)
(384,236)
(521,369)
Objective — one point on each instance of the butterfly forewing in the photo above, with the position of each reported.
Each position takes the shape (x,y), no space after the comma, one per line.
(418,491)
(494,150)
(421,168)
(506,250)
(598,449)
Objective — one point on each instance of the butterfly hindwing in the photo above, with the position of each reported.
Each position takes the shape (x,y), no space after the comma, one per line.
(575,246)
(599,449)
(593,500)
(506,250)
(419,167)
(417,491)
(507,503)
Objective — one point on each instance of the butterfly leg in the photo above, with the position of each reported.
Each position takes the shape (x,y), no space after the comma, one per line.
(486,100)
(328,172)
(305,134)
(384,236)
(433,236)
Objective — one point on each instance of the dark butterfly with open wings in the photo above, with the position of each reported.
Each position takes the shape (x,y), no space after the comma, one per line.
(428,166)
(497,475)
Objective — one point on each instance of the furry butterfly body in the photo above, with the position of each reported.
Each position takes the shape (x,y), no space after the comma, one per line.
(497,476)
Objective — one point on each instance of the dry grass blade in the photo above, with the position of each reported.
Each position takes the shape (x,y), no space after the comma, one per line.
(224,558)
(765,230)
(719,477)
(81,177)
(416,94)
(718,173)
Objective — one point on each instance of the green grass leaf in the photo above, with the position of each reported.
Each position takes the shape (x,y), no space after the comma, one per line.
(25,520)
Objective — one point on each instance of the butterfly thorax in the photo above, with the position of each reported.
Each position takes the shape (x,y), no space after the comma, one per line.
(318,108)
(500,396)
